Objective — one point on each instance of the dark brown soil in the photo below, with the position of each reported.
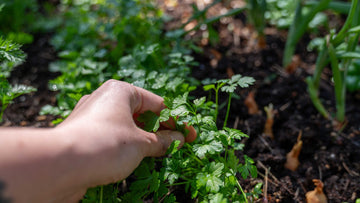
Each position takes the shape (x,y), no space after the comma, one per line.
(327,154)
(24,111)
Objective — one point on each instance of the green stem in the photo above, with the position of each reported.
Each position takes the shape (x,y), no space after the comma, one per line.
(343,32)
(216,103)
(321,62)
(101,193)
(337,6)
(338,83)
(313,92)
(228,110)
(182,183)
(242,191)
(298,28)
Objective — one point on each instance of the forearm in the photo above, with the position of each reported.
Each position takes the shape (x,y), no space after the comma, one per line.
(35,162)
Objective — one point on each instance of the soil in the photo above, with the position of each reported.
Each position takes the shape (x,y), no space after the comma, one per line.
(24,111)
(327,154)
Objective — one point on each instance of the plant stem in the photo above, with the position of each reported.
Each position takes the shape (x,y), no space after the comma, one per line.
(338,83)
(217,103)
(101,193)
(298,28)
(242,191)
(321,62)
(228,110)
(342,33)
(337,6)
(313,92)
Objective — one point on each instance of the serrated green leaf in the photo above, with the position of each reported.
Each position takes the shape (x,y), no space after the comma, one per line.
(152,75)
(173,147)
(174,83)
(164,115)
(151,121)
(209,87)
(180,100)
(228,88)
(248,168)
(202,149)
(180,111)
(199,102)
(172,169)
(217,198)
(160,81)
(246,81)
(235,133)
(210,177)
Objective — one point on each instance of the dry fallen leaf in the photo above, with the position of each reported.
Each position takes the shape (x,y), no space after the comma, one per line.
(317,195)
(292,158)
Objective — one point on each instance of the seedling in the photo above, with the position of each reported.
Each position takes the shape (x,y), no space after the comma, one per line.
(251,104)
(270,112)
(292,158)
(317,195)
(228,86)
(10,56)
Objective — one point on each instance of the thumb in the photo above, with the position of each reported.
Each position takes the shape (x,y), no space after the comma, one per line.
(161,142)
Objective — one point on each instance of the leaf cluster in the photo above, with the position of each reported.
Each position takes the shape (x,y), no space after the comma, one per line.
(208,168)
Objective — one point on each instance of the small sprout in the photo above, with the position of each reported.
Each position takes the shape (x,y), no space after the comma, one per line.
(251,104)
(292,158)
(269,121)
(317,195)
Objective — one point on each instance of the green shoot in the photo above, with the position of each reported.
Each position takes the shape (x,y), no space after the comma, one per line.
(228,86)
(299,26)
(340,50)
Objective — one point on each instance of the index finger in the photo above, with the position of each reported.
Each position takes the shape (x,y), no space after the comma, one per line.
(148,101)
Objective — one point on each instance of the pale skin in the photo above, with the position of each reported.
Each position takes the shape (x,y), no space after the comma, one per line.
(99,143)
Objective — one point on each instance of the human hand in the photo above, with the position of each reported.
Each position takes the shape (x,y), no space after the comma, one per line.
(107,138)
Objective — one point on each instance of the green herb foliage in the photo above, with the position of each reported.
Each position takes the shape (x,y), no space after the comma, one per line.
(208,169)
(10,56)
(124,40)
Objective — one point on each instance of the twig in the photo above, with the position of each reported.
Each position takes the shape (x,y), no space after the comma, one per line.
(320,173)
(269,180)
(272,176)
(236,123)
(346,187)
(302,186)
(351,172)
(266,144)
(266,185)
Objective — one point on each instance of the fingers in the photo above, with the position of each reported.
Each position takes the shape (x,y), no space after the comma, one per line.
(189,137)
(156,144)
(81,101)
(148,101)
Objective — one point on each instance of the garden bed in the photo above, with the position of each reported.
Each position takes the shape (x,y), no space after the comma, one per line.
(327,154)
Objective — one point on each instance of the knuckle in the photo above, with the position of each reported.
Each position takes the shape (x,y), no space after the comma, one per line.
(116,85)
